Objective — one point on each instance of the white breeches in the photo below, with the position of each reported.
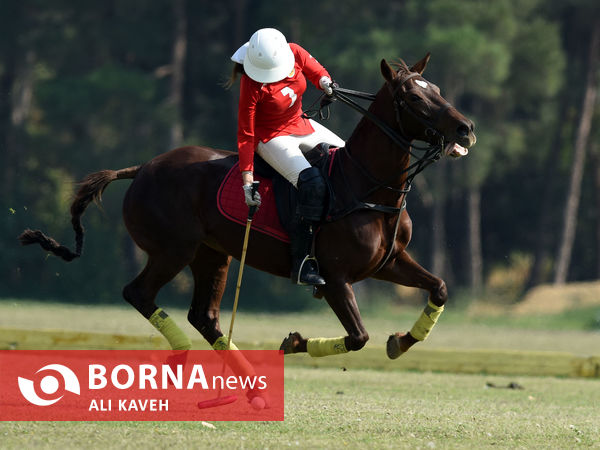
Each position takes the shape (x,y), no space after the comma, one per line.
(286,153)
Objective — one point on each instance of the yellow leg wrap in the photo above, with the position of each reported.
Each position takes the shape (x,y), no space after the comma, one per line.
(326,346)
(221,344)
(169,329)
(236,360)
(428,319)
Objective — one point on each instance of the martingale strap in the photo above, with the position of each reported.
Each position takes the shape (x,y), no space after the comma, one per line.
(362,205)
(390,249)
(359,202)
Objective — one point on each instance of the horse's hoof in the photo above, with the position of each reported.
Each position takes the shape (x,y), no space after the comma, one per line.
(290,343)
(393,347)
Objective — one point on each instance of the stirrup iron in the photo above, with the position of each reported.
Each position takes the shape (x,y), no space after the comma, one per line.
(312,277)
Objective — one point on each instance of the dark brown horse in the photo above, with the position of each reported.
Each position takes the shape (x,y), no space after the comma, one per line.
(171,214)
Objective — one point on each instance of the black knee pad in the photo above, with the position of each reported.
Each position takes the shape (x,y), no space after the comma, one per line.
(311,194)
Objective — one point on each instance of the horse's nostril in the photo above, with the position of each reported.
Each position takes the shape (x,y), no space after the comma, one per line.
(462,130)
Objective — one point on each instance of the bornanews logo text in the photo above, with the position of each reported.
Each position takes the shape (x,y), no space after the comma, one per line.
(141,385)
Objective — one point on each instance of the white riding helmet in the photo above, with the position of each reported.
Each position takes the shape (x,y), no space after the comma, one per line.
(269,57)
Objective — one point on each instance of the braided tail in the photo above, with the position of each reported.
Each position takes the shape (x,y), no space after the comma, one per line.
(90,189)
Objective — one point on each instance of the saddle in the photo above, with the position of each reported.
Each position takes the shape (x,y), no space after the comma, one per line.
(278,205)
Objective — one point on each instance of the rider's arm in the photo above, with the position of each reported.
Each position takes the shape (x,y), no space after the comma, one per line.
(249,94)
(311,68)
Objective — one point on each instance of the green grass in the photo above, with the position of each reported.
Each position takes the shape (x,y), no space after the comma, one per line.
(329,408)
(587,319)
(455,329)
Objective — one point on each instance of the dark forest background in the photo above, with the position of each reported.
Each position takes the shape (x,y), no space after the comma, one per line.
(86,86)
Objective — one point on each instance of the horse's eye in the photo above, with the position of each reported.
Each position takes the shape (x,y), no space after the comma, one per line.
(415,98)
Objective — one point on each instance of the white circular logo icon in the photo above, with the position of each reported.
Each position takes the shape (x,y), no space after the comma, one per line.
(49,385)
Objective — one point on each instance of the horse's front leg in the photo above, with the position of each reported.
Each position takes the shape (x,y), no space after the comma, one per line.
(407,272)
(340,297)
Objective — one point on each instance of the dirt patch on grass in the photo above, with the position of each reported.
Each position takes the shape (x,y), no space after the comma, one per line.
(550,299)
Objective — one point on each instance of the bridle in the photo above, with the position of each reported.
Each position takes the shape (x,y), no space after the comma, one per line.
(427,155)
(401,105)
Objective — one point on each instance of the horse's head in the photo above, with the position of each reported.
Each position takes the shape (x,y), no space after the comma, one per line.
(422,113)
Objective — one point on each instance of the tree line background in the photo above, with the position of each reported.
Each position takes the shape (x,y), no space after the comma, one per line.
(86,86)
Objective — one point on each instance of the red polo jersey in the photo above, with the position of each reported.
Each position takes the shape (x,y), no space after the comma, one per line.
(268,110)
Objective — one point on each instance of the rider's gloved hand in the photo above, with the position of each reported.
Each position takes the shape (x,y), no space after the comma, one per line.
(251,200)
(326,85)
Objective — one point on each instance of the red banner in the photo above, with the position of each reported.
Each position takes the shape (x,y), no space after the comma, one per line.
(118,385)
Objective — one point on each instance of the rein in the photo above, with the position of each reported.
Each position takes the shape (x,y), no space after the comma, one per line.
(432,152)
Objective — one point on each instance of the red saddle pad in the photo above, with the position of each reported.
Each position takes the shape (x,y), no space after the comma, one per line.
(231,204)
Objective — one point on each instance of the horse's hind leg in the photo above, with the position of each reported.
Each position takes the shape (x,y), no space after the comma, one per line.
(340,297)
(141,293)
(210,276)
(407,272)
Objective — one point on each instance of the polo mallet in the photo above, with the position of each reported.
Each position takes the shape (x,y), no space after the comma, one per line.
(232,398)
(251,212)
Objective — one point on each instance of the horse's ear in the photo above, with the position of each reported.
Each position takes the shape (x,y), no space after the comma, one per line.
(386,70)
(419,67)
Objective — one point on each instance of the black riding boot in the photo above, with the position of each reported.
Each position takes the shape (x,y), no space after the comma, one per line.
(311,199)
(305,269)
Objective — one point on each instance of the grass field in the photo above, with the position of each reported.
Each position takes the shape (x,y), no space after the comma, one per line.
(456,328)
(327,407)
